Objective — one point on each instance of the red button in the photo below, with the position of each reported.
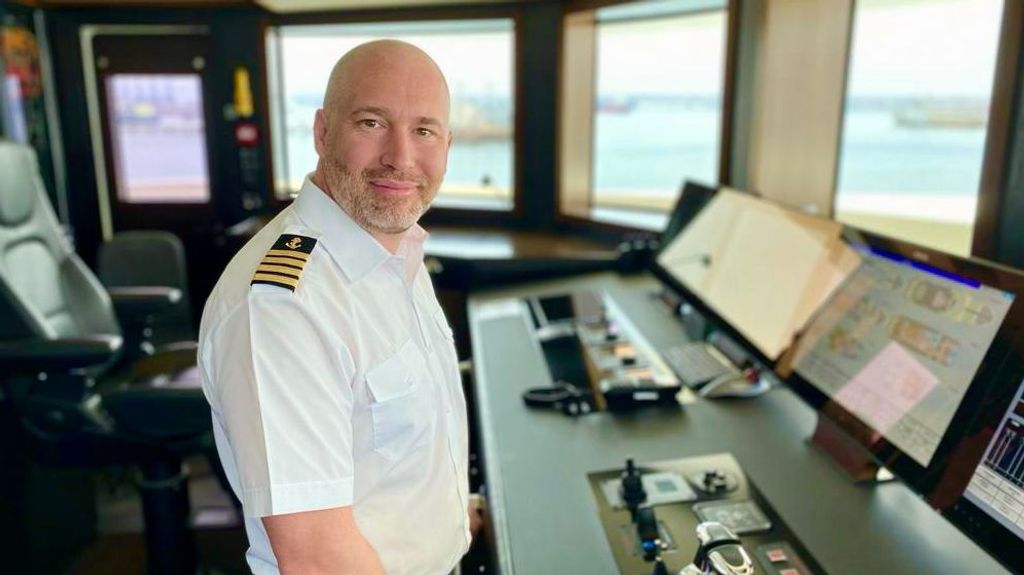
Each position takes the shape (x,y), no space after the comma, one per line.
(247,134)
(776,555)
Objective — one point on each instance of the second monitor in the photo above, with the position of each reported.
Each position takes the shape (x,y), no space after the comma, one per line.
(906,351)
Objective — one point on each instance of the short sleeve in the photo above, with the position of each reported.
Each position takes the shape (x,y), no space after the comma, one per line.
(282,393)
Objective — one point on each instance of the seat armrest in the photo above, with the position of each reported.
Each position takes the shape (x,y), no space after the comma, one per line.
(51,355)
(135,302)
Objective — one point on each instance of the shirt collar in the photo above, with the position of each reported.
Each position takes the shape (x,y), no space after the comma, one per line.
(356,251)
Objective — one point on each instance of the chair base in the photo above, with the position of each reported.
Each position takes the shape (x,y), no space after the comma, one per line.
(170,541)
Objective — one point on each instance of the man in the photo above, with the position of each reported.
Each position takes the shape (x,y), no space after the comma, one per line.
(328,363)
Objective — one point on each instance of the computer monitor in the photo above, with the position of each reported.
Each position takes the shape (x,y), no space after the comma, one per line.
(906,351)
(757,269)
(991,507)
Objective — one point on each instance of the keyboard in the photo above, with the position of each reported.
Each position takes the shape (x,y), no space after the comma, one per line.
(695,363)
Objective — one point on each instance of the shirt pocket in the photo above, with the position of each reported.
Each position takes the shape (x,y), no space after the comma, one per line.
(402,412)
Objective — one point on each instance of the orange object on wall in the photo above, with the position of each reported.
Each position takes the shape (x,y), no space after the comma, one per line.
(20,54)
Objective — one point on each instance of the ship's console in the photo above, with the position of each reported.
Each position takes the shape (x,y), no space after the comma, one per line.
(694,515)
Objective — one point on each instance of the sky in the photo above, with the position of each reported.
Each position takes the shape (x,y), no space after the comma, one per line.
(683,54)
(485,67)
(935,47)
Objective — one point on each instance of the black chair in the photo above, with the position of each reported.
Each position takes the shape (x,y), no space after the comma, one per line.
(128,261)
(83,399)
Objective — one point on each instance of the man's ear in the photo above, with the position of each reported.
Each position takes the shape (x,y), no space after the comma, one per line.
(451,138)
(320,132)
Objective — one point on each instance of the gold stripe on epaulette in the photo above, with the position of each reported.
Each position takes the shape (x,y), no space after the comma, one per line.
(290,272)
(294,262)
(294,282)
(286,253)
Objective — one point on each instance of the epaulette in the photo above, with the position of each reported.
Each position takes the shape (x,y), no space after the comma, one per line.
(284,262)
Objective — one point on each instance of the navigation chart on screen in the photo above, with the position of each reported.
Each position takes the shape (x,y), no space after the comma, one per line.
(997,486)
(898,345)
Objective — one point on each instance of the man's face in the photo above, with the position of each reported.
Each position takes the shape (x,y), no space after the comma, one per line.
(383,144)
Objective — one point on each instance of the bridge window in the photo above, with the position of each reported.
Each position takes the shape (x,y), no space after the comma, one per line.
(918,94)
(477,57)
(655,112)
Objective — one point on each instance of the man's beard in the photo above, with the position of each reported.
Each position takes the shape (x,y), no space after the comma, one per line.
(373,211)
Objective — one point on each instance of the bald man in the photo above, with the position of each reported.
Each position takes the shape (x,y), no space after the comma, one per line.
(328,363)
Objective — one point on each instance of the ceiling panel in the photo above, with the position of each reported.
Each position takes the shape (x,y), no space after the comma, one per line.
(287,6)
(279,6)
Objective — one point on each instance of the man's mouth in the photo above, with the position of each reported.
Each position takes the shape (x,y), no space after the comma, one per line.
(390,187)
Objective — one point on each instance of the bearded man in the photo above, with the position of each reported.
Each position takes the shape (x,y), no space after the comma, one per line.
(329,366)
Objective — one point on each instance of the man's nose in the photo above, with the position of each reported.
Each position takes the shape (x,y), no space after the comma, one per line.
(398,154)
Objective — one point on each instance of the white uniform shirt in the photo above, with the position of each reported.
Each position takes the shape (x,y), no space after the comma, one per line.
(342,391)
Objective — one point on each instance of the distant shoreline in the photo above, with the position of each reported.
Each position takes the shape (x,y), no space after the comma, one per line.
(958,209)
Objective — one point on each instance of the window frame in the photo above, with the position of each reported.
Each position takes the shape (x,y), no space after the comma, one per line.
(574,203)
(436,214)
(996,154)
(996,158)
(116,212)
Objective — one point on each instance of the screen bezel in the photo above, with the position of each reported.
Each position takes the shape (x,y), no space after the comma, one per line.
(1002,357)
(694,300)
(692,199)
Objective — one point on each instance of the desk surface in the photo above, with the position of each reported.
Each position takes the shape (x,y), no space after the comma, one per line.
(536,462)
(492,244)
(475,243)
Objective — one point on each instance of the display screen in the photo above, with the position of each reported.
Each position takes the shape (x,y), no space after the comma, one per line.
(898,344)
(758,267)
(997,486)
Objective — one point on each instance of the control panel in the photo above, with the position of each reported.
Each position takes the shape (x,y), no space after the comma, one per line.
(590,344)
(694,515)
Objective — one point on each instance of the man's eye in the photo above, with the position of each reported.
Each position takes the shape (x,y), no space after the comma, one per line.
(369,123)
(424,132)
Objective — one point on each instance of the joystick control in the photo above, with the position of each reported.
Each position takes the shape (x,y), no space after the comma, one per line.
(632,489)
